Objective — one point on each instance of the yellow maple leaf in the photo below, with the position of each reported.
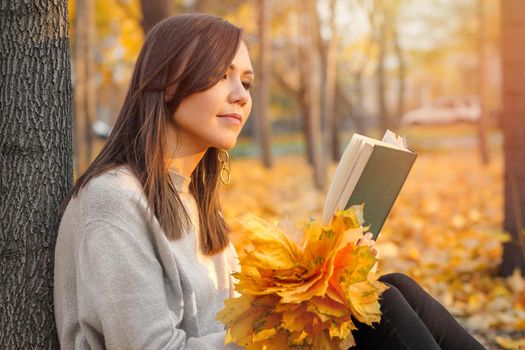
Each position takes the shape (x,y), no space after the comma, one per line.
(326,308)
(235,308)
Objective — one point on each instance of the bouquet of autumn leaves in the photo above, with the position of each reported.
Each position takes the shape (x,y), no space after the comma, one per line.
(303,293)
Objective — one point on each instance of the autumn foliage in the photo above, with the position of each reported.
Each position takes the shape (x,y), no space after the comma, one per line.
(444,231)
(302,292)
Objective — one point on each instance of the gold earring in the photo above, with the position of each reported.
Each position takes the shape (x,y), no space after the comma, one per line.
(224,158)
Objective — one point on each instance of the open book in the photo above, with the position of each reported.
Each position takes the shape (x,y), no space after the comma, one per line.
(371,172)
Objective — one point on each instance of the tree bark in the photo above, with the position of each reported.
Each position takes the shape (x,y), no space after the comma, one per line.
(300,95)
(330,68)
(153,11)
(358,82)
(304,92)
(85,91)
(91,97)
(482,123)
(35,165)
(400,77)
(307,131)
(263,122)
(312,64)
(513,62)
(384,118)
(202,6)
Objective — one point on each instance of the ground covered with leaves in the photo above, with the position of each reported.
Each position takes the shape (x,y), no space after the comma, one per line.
(444,231)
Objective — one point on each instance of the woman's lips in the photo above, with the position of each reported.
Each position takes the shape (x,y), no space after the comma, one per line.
(233,118)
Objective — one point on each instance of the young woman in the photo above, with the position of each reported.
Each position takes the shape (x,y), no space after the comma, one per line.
(142,258)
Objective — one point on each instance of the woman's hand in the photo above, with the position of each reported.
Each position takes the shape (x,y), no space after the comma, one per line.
(367,240)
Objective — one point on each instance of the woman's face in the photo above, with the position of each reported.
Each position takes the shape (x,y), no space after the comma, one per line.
(215,117)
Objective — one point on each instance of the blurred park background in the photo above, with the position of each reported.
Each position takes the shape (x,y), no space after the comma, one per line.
(447,74)
(428,69)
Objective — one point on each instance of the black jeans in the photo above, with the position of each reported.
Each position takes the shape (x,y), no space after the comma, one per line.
(411,319)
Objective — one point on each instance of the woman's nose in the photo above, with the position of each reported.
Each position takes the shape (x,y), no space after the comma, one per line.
(239,94)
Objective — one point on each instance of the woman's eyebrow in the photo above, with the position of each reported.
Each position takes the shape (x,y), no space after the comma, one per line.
(246,72)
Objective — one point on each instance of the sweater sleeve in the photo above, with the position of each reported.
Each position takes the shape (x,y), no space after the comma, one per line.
(121,296)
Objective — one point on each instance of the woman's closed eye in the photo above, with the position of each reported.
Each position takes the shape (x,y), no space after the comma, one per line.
(246,84)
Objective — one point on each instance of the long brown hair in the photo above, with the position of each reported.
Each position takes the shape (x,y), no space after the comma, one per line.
(187,53)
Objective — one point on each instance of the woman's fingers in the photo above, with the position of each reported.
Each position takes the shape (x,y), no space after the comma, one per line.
(367,240)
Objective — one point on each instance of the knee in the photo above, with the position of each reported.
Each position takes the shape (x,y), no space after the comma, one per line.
(390,295)
(399,280)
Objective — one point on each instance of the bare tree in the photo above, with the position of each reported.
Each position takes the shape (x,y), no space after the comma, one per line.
(383,18)
(401,76)
(331,121)
(482,123)
(513,61)
(153,11)
(263,122)
(312,67)
(35,165)
(85,90)
(299,93)
(202,5)
(380,21)
(303,92)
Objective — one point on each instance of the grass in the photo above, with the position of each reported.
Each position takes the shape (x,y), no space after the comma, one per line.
(419,138)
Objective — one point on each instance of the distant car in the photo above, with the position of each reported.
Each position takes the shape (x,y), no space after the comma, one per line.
(445,110)
(101,129)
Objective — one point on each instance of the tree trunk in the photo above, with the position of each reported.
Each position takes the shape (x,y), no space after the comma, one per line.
(307,129)
(153,11)
(330,81)
(202,5)
(85,90)
(91,96)
(358,81)
(336,126)
(312,63)
(263,122)
(304,93)
(380,76)
(35,165)
(300,95)
(401,77)
(513,62)
(482,124)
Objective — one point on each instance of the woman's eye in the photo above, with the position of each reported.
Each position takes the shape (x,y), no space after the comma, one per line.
(225,76)
(247,85)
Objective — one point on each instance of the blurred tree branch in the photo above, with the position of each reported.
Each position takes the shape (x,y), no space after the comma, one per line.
(128,10)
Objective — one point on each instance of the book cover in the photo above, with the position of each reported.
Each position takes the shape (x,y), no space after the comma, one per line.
(380,183)
(371,172)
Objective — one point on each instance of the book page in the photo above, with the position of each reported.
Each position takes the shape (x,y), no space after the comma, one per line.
(391,138)
(364,154)
(348,176)
(340,178)
(396,145)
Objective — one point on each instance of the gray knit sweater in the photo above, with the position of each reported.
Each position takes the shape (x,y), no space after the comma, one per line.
(121,284)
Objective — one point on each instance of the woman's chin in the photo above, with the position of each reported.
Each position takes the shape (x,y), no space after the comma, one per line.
(226,145)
